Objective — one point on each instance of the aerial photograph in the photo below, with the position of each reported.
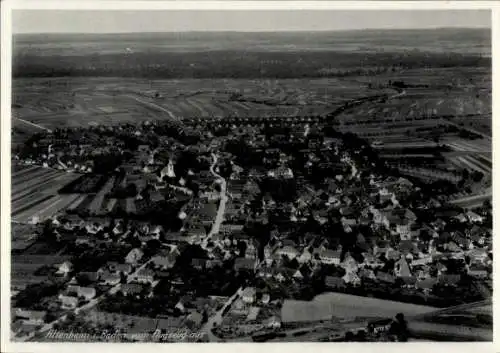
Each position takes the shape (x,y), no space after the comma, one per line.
(251,176)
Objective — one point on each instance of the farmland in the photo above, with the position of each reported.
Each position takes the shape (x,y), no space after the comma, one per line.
(341,305)
(34,192)
(428,107)
(75,102)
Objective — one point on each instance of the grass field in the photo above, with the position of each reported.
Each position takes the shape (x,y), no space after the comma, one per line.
(326,305)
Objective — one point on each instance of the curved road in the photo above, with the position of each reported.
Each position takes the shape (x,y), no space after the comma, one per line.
(222,205)
(154,106)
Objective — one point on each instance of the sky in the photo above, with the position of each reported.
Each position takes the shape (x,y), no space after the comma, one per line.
(114,21)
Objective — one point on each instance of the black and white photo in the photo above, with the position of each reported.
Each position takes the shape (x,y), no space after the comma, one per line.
(248,176)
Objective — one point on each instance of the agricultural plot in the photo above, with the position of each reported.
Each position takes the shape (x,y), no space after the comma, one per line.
(24,268)
(23,236)
(479,145)
(86,183)
(456,77)
(108,101)
(97,204)
(472,163)
(34,193)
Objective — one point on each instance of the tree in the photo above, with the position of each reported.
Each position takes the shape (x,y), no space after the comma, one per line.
(349,336)
(477,176)
(402,328)
(361,336)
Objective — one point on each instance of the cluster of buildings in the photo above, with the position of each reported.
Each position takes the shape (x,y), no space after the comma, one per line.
(306,215)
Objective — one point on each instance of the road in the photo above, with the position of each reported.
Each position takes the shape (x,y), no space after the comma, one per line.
(222,205)
(35,125)
(155,106)
(85,307)
(217,317)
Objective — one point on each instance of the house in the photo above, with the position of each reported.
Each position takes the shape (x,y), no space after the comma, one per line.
(68,302)
(426,284)
(452,247)
(239,307)
(401,268)
(163,262)
(84,239)
(118,229)
(409,282)
(248,295)
(32,317)
(119,268)
(379,326)
(130,289)
(365,273)
(145,275)
(385,277)
(351,278)
(333,282)
(349,264)
(306,256)
(477,271)
(64,268)
(439,224)
(298,275)
(195,318)
(156,196)
(403,228)
(266,272)
(180,306)
(449,279)
(372,261)
(424,260)
(279,277)
(273,322)
(91,276)
(242,263)
(478,254)
(199,263)
(251,251)
(329,257)
(392,254)
(196,232)
(86,293)
(265,298)
(441,268)
(288,251)
(474,217)
(110,278)
(134,256)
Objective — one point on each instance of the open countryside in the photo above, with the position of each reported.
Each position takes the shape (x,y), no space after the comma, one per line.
(253,187)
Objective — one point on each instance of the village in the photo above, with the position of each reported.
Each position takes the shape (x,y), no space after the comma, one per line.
(229,231)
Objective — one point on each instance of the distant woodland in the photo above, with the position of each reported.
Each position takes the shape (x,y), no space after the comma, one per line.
(236,64)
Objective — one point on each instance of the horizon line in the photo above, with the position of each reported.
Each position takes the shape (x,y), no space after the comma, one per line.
(271,31)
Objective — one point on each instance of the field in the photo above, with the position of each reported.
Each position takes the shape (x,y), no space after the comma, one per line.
(34,192)
(25,266)
(75,102)
(327,305)
(411,102)
(447,40)
(81,80)
(23,236)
